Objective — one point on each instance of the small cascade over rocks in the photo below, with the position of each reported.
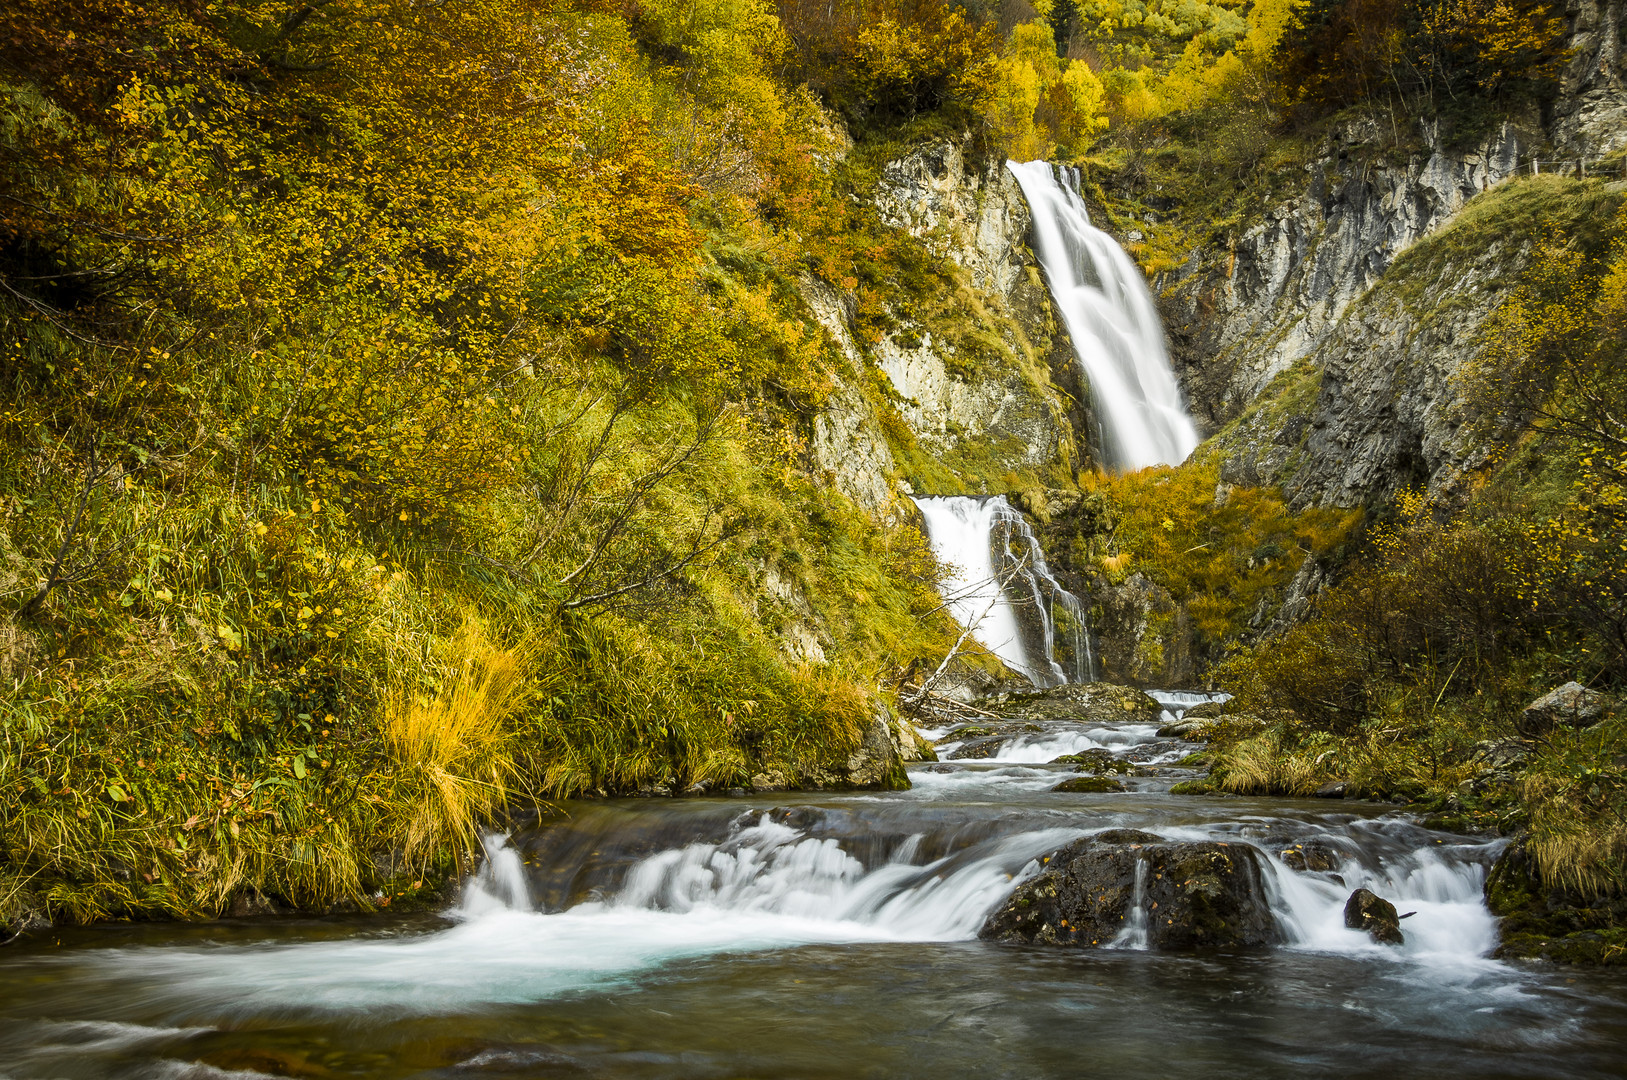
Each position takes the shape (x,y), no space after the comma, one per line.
(500,883)
(1110,315)
(1001,589)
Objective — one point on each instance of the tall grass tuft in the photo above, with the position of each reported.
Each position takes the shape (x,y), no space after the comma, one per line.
(453,746)
(1264,765)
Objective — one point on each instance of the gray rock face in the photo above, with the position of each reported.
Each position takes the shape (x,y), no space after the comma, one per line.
(1363,385)
(1000,409)
(1571,705)
(1591,115)
(1192,895)
(1278,294)
(1143,636)
(972,215)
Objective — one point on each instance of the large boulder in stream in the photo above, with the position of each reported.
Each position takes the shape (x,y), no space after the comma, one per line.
(1366,910)
(1193,894)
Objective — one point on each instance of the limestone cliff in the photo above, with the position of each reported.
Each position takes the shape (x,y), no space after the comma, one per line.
(968,390)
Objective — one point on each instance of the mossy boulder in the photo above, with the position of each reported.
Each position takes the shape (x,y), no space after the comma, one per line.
(1571,705)
(1190,728)
(1098,703)
(1095,760)
(1541,921)
(1090,785)
(1194,894)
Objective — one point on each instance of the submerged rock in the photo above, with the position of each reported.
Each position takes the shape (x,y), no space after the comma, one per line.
(1372,913)
(1090,785)
(1193,894)
(1572,705)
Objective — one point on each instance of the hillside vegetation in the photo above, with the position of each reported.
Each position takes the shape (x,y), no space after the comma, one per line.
(405,417)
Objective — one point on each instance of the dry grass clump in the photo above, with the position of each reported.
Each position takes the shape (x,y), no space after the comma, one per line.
(1264,765)
(453,745)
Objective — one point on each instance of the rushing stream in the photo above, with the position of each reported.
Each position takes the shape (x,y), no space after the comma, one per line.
(834,935)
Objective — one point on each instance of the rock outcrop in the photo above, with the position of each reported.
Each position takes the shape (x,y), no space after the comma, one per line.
(877,762)
(1091,702)
(1590,117)
(1571,705)
(1278,294)
(974,386)
(1190,895)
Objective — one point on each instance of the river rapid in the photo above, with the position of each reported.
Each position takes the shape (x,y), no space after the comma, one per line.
(834,936)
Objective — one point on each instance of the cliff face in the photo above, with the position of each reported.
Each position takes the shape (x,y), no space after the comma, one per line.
(1239,318)
(1302,328)
(964,391)
(1590,117)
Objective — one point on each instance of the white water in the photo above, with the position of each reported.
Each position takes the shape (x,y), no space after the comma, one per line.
(770,885)
(996,566)
(1115,328)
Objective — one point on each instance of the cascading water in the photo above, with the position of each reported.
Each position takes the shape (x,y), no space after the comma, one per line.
(1116,332)
(1002,590)
(663,938)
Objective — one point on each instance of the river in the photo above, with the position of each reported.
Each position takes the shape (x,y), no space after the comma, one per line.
(833,936)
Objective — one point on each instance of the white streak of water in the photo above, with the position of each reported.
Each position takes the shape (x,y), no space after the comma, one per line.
(1000,587)
(1116,332)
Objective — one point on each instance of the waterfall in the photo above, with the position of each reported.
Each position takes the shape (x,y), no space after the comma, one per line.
(1134,934)
(1109,313)
(1000,588)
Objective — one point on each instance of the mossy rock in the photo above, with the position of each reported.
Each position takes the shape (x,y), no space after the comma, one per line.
(1094,761)
(1204,894)
(1090,785)
(1199,786)
(1539,921)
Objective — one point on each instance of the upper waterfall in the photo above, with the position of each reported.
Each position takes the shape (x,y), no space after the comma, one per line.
(1110,316)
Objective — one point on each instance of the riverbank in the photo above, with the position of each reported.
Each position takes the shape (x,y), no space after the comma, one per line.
(652,937)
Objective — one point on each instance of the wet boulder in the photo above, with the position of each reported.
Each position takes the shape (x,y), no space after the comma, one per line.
(1097,703)
(1571,705)
(1311,856)
(1369,912)
(978,748)
(1192,895)
(1094,760)
(1090,785)
(1189,727)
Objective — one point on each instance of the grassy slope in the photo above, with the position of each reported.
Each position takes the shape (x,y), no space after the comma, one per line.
(271,661)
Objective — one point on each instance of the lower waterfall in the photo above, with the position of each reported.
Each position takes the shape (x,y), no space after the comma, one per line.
(1000,588)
